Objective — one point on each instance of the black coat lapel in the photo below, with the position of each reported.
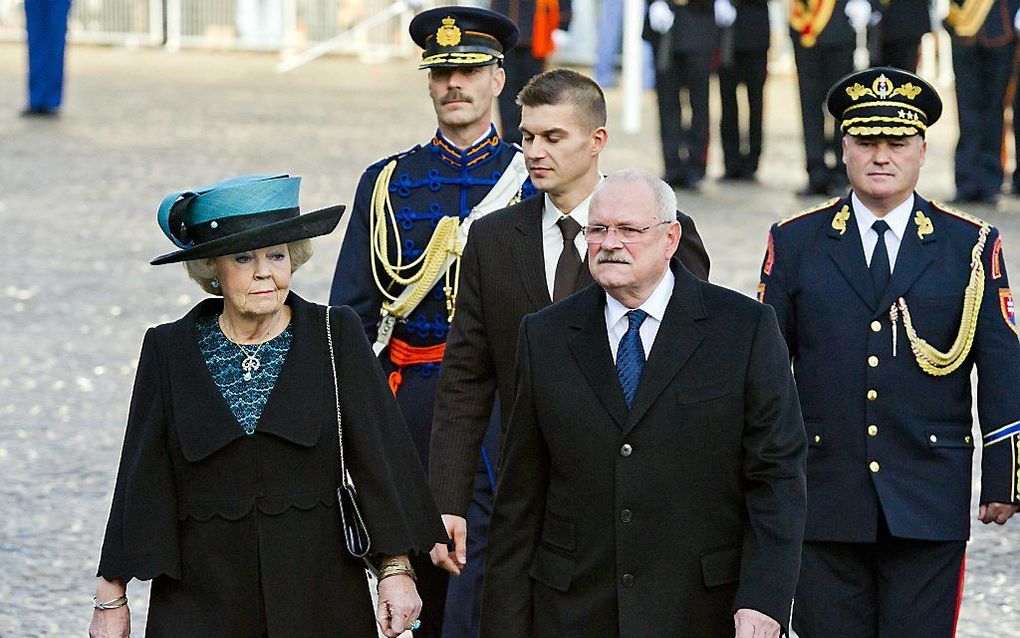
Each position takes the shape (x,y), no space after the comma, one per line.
(590,348)
(678,337)
(204,421)
(529,252)
(912,259)
(847,251)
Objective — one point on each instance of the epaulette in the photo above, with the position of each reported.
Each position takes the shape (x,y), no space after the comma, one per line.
(396,156)
(810,211)
(967,217)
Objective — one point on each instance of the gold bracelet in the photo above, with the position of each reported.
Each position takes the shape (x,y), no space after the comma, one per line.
(114,603)
(397,569)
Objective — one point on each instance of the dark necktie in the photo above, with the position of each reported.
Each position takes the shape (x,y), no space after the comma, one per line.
(569,265)
(630,356)
(880,259)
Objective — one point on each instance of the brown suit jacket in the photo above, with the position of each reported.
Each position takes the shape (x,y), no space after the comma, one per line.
(502,279)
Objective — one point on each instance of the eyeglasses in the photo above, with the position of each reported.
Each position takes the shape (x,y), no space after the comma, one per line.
(626,234)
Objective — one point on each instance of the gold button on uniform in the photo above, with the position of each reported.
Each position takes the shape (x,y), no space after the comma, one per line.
(874,466)
(876,326)
(966,439)
(818,438)
(872,430)
(873,361)
(872,395)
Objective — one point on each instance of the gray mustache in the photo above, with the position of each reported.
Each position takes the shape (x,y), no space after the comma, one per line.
(609,258)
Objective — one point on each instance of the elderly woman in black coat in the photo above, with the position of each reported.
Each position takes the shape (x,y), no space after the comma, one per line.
(226,496)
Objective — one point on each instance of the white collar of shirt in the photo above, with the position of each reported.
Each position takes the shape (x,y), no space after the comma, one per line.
(617,321)
(897,218)
(552,238)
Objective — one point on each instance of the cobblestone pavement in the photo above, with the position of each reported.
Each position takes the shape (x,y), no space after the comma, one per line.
(77,203)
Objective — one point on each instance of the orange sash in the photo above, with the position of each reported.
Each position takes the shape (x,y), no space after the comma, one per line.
(402,354)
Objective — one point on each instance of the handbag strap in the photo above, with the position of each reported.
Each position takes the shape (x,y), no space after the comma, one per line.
(344,476)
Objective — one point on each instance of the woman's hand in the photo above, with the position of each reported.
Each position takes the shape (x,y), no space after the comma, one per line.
(110,623)
(399,605)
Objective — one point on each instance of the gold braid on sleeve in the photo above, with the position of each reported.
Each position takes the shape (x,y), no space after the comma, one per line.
(930,359)
(426,268)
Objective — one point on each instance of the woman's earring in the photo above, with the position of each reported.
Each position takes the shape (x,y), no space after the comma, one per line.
(215,283)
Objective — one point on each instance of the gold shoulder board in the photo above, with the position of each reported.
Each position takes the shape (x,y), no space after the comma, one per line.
(810,211)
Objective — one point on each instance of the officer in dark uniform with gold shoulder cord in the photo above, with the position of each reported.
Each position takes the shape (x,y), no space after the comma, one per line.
(399,262)
(824,35)
(983,42)
(887,302)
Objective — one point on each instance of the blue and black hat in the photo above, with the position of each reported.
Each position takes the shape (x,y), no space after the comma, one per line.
(462,36)
(239,214)
(884,101)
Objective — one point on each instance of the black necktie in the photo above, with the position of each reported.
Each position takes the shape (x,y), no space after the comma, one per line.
(880,259)
(569,265)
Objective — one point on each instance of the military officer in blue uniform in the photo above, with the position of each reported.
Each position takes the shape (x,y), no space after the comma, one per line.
(399,261)
(983,43)
(887,302)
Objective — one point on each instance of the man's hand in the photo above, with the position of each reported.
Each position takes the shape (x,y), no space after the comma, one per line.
(996,512)
(399,605)
(453,562)
(754,624)
(561,39)
(660,16)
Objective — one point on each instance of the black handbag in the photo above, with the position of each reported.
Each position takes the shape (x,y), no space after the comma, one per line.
(355,532)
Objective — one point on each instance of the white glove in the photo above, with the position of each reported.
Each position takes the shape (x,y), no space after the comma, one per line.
(725,13)
(660,16)
(858,12)
(1016,21)
(561,39)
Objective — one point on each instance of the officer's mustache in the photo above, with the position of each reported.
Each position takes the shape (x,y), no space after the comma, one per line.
(606,257)
(456,96)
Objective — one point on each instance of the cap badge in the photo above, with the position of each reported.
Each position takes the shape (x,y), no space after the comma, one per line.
(882,87)
(448,35)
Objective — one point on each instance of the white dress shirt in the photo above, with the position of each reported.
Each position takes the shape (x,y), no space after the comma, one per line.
(897,218)
(617,321)
(552,237)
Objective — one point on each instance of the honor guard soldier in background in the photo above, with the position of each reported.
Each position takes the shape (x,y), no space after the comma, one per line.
(684,37)
(46,26)
(897,35)
(400,258)
(824,36)
(983,42)
(743,59)
(888,302)
(543,28)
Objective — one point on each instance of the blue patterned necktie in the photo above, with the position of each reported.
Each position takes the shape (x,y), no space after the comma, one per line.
(630,356)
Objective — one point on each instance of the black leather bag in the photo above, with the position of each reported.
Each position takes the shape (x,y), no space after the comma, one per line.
(356,536)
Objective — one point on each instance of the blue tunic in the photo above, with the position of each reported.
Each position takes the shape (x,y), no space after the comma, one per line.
(430,182)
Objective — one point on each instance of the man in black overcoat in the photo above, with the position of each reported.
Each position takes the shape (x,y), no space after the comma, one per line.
(480,351)
(653,473)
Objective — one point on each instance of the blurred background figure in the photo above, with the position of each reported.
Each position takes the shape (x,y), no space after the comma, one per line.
(984,38)
(824,35)
(743,60)
(46,24)
(684,38)
(896,31)
(543,26)
(607,48)
(259,23)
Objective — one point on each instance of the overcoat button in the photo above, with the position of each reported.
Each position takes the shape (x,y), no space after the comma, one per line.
(628,580)
(626,449)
